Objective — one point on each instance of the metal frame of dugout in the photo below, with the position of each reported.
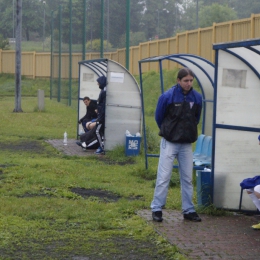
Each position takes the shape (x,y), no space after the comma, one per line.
(236,122)
(123,99)
(204,74)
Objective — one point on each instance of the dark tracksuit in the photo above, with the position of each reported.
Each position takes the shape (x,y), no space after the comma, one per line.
(90,114)
(101,110)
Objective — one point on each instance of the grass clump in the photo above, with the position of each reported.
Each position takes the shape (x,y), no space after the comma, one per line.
(213,211)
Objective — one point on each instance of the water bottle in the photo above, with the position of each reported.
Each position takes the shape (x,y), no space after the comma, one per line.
(65,139)
(127,133)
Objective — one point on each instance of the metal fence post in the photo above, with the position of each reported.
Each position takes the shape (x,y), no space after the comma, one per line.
(18,57)
(102,30)
(127,32)
(84,31)
(70,51)
(60,39)
(51,69)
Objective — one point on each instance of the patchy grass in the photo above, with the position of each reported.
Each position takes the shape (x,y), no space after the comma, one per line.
(55,206)
(44,213)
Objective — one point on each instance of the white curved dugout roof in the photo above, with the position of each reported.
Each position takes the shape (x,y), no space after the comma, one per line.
(236,123)
(123,99)
(204,72)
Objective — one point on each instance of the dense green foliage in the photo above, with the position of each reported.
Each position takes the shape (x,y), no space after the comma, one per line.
(4,43)
(149,19)
(95,45)
(216,13)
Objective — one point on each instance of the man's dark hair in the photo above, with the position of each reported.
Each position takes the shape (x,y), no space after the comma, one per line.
(185,72)
(86,98)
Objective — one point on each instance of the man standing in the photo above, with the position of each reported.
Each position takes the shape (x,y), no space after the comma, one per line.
(100,123)
(177,116)
(91,113)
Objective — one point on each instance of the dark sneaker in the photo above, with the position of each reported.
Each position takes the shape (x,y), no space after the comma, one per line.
(193,216)
(79,143)
(100,151)
(157,216)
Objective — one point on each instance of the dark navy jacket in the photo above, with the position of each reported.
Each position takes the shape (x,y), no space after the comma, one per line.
(177,115)
(102,98)
(90,113)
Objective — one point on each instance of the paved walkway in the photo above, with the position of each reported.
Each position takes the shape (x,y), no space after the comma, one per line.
(71,148)
(229,237)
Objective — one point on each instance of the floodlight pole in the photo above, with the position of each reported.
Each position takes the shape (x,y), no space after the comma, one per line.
(102,30)
(18,35)
(107,24)
(127,33)
(43,30)
(84,30)
(13,21)
(197,14)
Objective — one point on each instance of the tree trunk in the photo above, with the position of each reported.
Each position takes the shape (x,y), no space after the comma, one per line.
(27,35)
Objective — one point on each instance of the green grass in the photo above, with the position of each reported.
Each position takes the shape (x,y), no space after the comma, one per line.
(38,46)
(33,46)
(41,218)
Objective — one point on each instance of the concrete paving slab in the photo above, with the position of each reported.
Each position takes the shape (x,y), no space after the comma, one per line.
(225,237)
(71,148)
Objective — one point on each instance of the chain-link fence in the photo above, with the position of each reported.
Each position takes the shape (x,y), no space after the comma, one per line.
(86,29)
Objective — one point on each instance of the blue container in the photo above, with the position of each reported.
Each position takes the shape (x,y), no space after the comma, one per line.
(132,145)
(204,188)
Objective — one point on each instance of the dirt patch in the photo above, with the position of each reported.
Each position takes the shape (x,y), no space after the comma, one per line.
(119,248)
(32,195)
(108,161)
(6,165)
(25,146)
(101,194)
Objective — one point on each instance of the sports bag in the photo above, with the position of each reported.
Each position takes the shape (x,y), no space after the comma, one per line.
(90,139)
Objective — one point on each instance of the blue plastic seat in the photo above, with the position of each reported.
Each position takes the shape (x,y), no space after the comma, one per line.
(198,147)
(197,152)
(205,160)
(204,149)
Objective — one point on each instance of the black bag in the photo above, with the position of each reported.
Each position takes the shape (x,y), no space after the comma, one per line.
(90,139)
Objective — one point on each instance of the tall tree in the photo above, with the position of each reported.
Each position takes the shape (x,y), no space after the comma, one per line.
(161,18)
(7,19)
(187,20)
(215,13)
(244,9)
(32,14)
(114,19)
(32,17)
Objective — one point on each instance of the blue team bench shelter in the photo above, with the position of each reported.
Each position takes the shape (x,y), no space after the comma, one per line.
(123,99)
(204,74)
